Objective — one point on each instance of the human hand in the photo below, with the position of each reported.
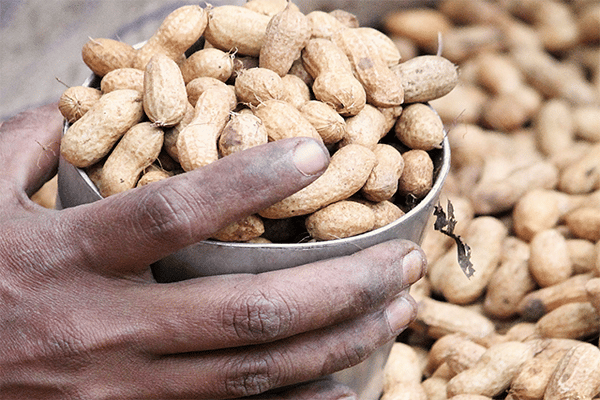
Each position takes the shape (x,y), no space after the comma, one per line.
(82,318)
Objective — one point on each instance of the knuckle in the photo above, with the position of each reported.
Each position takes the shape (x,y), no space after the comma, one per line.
(259,316)
(252,374)
(168,213)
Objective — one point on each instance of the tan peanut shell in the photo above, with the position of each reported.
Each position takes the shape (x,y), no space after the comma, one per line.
(493,372)
(123,78)
(577,375)
(172,134)
(532,379)
(165,98)
(511,281)
(347,172)
(197,86)
(90,138)
(550,262)
(269,7)
(210,62)
(242,132)
(348,19)
(243,230)
(286,35)
(592,288)
(282,120)
(382,86)
(234,27)
(76,101)
(554,126)
(104,55)
(388,50)
(582,176)
(153,174)
(419,127)
(583,255)
(323,24)
(570,321)
(584,223)
(385,213)
(405,391)
(295,91)
(540,209)
(437,318)
(177,33)
(485,237)
(435,388)
(138,148)
(366,128)
(257,85)
(334,82)
(427,77)
(402,365)
(464,355)
(382,183)
(328,123)
(541,301)
(340,220)
(417,176)
(197,141)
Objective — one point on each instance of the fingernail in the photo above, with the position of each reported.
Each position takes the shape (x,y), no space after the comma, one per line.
(400,312)
(413,267)
(311,158)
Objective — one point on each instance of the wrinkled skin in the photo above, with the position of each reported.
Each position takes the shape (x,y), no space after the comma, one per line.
(82,318)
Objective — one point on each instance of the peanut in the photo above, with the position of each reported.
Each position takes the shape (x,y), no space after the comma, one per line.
(549,262)
(210,62)
(419,127)
(417,176)
(425,78)
(577,375)
(382,86)
(197,141)
(165,98)
(257,85)
(246,229)
(578,320)
(334,82)
(138,149)
(347,172)
(493,372)
(242,132)
(511,281)
(340,220)
(328,123)
(176,34)
(123,78)
(532,379)
(90,138)
(382,183)
(436,319)
(76,101)
(295,91)
(104,55)
(286,35)
(539,302)
(234,27)
(283,120)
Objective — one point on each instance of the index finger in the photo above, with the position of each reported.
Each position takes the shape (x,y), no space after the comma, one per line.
(133,229)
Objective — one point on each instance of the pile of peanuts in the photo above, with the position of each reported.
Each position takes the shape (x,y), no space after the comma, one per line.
(524,128)
(218,80)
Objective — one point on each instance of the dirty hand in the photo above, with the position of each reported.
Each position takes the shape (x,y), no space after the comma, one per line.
(82,318)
